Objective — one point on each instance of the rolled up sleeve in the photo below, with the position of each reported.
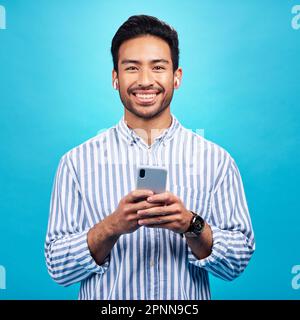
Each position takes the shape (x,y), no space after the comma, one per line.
(232,232)
(67,254)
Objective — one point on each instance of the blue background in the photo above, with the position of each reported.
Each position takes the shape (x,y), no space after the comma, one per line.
(241,85)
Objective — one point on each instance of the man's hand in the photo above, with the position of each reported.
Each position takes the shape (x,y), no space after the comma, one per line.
(103,236)
(170,213)
(125,219)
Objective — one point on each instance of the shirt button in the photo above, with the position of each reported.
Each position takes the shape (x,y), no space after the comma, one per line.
(151,263)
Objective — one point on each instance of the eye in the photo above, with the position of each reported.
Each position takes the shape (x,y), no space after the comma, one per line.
(159,68)
(131,68)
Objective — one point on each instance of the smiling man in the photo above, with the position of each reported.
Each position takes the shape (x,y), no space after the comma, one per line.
(123,243)
(147,78)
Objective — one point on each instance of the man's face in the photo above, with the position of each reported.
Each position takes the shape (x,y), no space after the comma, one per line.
(145,77)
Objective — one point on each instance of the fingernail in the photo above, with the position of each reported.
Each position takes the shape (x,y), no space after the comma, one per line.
(149,199)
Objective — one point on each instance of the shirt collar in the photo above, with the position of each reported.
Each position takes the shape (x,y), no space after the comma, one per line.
(131,137)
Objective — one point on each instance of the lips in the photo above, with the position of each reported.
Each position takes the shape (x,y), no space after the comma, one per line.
(145,97)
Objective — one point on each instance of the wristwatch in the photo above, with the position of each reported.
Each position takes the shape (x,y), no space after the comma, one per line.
(196,226)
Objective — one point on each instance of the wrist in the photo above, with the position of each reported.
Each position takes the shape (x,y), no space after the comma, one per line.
(190,220)
(104,230)
(109,228)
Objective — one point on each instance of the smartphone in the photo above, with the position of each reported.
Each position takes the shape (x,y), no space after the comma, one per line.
(151,177)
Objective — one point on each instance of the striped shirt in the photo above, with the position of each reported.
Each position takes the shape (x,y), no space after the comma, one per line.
(150,263)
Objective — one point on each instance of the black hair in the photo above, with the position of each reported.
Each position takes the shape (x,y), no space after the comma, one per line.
(139,25)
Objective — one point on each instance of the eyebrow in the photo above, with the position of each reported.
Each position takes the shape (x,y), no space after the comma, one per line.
(127,61)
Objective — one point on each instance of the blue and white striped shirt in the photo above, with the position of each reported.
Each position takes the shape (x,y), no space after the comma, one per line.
(150,263)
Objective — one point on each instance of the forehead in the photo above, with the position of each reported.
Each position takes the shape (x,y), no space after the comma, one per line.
(145,48)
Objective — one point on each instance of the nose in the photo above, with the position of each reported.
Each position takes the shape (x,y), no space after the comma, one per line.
(145,78)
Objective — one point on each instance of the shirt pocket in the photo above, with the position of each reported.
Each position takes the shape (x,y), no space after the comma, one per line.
(196,200)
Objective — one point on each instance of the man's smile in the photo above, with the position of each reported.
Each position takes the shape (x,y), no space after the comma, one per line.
(145,97)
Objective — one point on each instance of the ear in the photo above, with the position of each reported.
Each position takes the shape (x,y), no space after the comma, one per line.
(115,82)
(177,78)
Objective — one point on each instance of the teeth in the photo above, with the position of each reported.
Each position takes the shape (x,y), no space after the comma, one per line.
(146,96)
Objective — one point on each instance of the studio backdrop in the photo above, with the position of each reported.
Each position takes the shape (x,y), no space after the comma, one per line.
(240,89)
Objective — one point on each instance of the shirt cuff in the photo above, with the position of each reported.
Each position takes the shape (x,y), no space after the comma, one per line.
(219,249)
(84,258)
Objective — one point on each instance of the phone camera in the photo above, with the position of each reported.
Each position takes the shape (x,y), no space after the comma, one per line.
(142,173)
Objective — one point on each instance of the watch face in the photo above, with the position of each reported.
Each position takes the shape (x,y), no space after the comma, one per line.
(196,227)
(198,224)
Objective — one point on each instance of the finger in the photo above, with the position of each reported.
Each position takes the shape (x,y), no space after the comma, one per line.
(158,220)
(166,197)
(141,205)
(168,225)
(158,211)
(137,195)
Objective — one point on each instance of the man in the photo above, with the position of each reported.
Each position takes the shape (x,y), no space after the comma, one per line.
(122,243)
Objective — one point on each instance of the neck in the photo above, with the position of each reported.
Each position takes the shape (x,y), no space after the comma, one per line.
(149,129)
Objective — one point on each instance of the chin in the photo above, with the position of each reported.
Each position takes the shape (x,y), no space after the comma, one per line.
(146,112)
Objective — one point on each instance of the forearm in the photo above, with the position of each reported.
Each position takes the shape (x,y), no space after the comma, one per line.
(201,246)
(101,239)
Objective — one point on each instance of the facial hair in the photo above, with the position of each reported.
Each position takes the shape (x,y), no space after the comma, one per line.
(130,106)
